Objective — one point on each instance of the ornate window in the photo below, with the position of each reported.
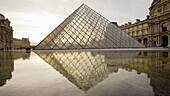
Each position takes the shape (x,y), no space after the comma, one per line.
(133,33)
(164,27)
(165,8)
(143,30)
(137,33)
(154,29)
(154,12)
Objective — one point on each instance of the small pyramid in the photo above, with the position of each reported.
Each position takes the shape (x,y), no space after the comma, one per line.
(87,29)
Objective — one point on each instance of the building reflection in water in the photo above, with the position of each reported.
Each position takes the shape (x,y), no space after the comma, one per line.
(157,67)
(86,69)
(7,64)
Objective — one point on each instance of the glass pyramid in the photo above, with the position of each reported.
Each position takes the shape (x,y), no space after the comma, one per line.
(87,29)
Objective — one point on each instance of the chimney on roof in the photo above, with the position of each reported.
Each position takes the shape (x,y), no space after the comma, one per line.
(147,16)
(137,20)
(2,17)
(129,23)
(115,23)
(122,25)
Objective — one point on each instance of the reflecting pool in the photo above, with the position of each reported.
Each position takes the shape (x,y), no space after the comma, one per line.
(45,73)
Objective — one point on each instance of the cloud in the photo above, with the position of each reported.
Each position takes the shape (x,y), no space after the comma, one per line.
(55,6)
(121,10)
(34,24)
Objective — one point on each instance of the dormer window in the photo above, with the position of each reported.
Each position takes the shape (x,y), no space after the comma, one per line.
(154,12)
(165,8)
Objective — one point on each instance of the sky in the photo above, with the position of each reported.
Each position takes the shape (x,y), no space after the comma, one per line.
(35,19)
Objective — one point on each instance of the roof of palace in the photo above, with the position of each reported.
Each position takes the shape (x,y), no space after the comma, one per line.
(155,2)
(2,15)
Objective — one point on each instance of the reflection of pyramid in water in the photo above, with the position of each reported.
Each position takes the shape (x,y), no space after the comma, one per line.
(86,29)
(86,69)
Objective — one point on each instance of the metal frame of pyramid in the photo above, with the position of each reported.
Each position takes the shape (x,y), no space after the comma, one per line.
(87,29)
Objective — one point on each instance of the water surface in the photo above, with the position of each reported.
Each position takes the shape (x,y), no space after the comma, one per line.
(84,73)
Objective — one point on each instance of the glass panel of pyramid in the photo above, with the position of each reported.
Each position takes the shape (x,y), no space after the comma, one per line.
(87,29)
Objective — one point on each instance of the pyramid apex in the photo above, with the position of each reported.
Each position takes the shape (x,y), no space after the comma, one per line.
(83,4)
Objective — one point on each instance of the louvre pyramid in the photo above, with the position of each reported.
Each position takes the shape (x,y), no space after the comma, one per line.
(86,29)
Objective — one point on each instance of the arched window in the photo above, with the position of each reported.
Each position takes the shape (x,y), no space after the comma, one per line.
(145,40)
(164,27)
(165,8)
(139,40)
(164,40)
(154,12)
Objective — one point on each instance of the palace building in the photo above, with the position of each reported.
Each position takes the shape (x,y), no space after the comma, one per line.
(6,34)
(7,42)
(155,29)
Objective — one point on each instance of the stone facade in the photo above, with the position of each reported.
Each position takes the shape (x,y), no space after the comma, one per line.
(155,29)
(21,43)
(6,34)
(7,42)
